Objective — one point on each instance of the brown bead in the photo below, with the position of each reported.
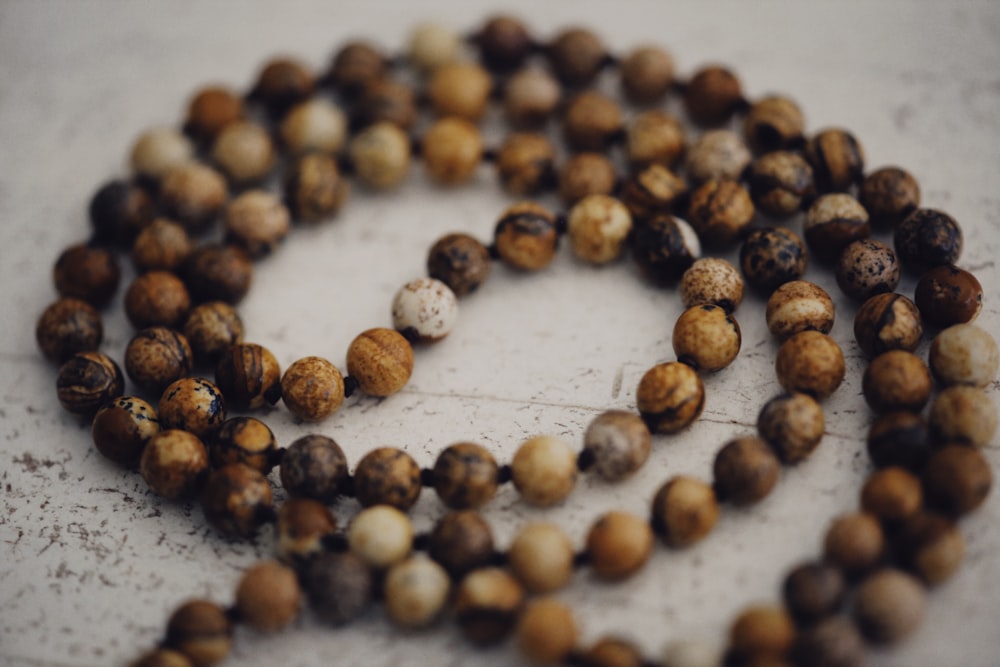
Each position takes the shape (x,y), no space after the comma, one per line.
(461,542)
(712,280)
(546,631)
(889,195)
(157,356)
(356,65)
(211,328)
(123,427)
(900,439)
(530,98)
(387,101)
(380,155)
(302,526)
(773,123)
(896,380)
(282,83)
(855,543)
(159,151)
(66,327)
(338,587)
(544,470)
(314,466)
(504,43)
(598,228)
(717,155)
(706,337)
(653,192)
(957,479)
(712,95)
(892,494)
(526,163)
(487,604)
(887,322)
(381,360)
(837,159)
(591,121)
(387,476)
(866,268)
(964,354)
(87,273)
(192,404)
(236,500)
(889,606)
(781,183)
(257,222)
(162,657)
(813,591)
(720,212)
(771,257)
(810,362)
(119,210)
(312,389)
(745,471)
(452,149)
(832,223)
(577,56)
(381,536)
(664,247)
(647,73)
(586,174)
(792,424)
(193,194)
(87,381)
(460,89)
(669,397)
(931,546)
(314,188)
(200,630)
(798,306)
(465,476)
(834,642)
(525,236)
(618,545)
(161,246)
(654,137)
(963,414)
(211,110)
(268,596)
(618,442)
(244,152)
(217,272)
(611,652)
(316,125)
(173,463)
(761,632)
(244,440)
(157,298)
(541,557)
(249,376)
(947,295)
(459,261)
(684,511)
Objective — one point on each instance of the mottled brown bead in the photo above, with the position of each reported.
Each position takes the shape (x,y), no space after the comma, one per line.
(611,652)
(745,471)
(664,247)
(314,188)
(772,256)
(810,362)
(669,397)
(957,479)
(123,427)
(889,195)
(887,322)
(387,476)
(835,642)
(530,98)
(964,354)
(461,542)
(161,246)
(173,463)
(312,388)
(119,210)
(541,557)
(267,596)
(338,587)
(465,476)
(459,261)
(192,404)
(282,83)
(717,154)
(157,298)
(87,273)
(618,545)
(544,470)
(162,657)
(712,280)
(866,268)
(416,591)
(217,272)
(591,121)
(193,194)
(243,440)
(813,591)
(356,65)
(200,630)
(211,328)
(654,137)
(798,306)
(452,149)
(781,183)
(598,228)
(684,511)
(460,89)
(654,191)
(837,159)
(618,442)
(931,546)
(899,439)
(316,125)
(504,43)
(87,381)
(892,494)
(773,123)
(577,56)
(526,163)
(245,153)
(66,327)
(157,356)
(586,174)
(381,360)
(855,543)
(526,237)
(210,110)
(833,222)
(720,212)
(647,73)
(314,466)
(761,632)
(706,337)
(947,295)
(487,604)
(249,376)
(302,526)
(158,151)
(889,606)
(896,380)
(380,155)
(236,500)
(546,631)
(712,95)
(257,222)
(792,424)
(386,101)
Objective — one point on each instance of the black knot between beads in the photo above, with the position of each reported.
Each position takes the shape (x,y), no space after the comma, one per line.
(493,251)
(585,460)
(421,542)
(581,559)
(504,474)
(490,155)
(562,224)
(350,386)
(411,334)
(346,487)
(427,477)
(335,542)
(276,456)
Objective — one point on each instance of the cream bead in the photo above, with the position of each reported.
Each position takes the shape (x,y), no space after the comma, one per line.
(964,354)
(316,125)
(244,152)
(544,470)
(416,591)
(712,280)
(598,226)
(381,155)
(426,307)
(380,536)
(541,557)
(433,45)
(159,150)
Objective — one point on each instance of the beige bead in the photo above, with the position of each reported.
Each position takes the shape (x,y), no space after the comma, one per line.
(268,596)
(652,192)
(586,174)
(487,604)
(798,306)
(618,544)
(452,149)
(618,442)
(719,155)
(712,280)
(546,632)
(654,137)
(598,228)
(832,222)
(526,237)
(416,591)
(432,46)
(244,151)
(312,388)
(670,396)
(380,536)
(460,89)
(721,211)
(889,605)
(526,163)
(887,322)
(792,424)
(647,73)
(173,462)
(381,155)
(381,360)
(760,632)
(964,354)
(591,120)
(964,414)
(158,151)
(314,125)
(257,221)
(530,97)
(541,557)
(706,337)
(193,194)
(810,362)
(684,511)
(544,470)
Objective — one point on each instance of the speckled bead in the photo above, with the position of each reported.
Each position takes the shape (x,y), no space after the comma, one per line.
(257,222)
(465,476)
(526,237)
(546,632)
(452,149)
(356,65)
(781,183)
(889,195)
(460,89)
(236,500)
(161,246)
(669,397)
(957,479)
(210,110)
(684,511)
(504,43)
(591,121)
(87,381)
(268,596)
(162,657)
(459,261)
(314,125)
(314,466)
(424,310)
(461,541)
(654,191)
(947,295)
(249,376)
(706,337)
(761,632)
(487,604)
(173,463)
(834,642)
(314,188)
(792,424)
(810,362)
(200,630)
(654,137)
(193,194)
(618,545)
(618,442)
(416,592)
(717,155)
(837,159)
(664,247)
(217,272)
(832,223)
(813,591)
(211,328)
(866,268)
(798,306)
(381,155)
(888,606)
(887,322)
(123,427)
(530,98)
(381,360)
(896,380)
(772,256)
(899,439)
(87,273)
(66,327)
(931,546)
(301,528)
(386,100)
(598,228)
(544,470)
(965,414)
(964,354)
(244,152)
(525,163)
(312,389)
(647,73)
(387,476)
(433,45)
(381,536)
(927,238)
(892,494)
(855,543)
(745,471)
(338,587)
(712,280)
(157,356)
(282,83)
(586,174)
(773,123)
(157,298)
(192,404)
(712,95)
(119,210)
(577,56)
(243,440)
(541,557)
(158,151)
(720,212)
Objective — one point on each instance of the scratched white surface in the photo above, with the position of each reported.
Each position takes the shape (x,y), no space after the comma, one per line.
(91,564)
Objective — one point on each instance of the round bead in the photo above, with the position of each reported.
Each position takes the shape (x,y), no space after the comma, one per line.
(892,494)
(416,592)
(487,604)
(192,404)
(211,328)
(927,238)
(314,125)
(855,543)
(834,642)
(381,536)
(119,210)
(162,657)
(931,546)
(899,438)
(896,380)
(193,194)
(87,273)
(948,295)
(87,381)
(712,95)
(792,424)
(314,188)
(387,476)
(653,192)
(356,65)
(158,151)
(866,268)
(720,212)
(577,56)
(236,500)
(201,631)
(887,322)
(591,121)
(541,557)
(504,43)
(664,248)
(460,89)
(314,466)
(832,223)
(745,471)
(799,306)
(546,631)
(460,262)
(381,155)
(717,155)
(810,362)
(123,427)
(425,309)
(957,479)
(781,183)
(386,100)
(162,246)
(963,414)
(461,541)
(647,73)
(706,337)
(249,376)
(598,228)
(889,195)
(684,511)
(381,360)
(465,476)
(338,586)
(618,442)
(244,152)
(618,545)
(837,159)
(66,327)
(432,45)
(452,149)
(712,280)
(243,440)
(964,354)
(761,632)
(586,174)
(211,110)
(773,123)
(217,272)
(268,596)
(669,397)
(312,389)
(544,470)
(173,463)
(530,97)
(691,653)
(612,652)
(302,526)
(157,298)
(282,83)
(654,137)
(257,222)
(813,591)
(771,257)
(888,606)
(157,356)
(525,236)
(526,163)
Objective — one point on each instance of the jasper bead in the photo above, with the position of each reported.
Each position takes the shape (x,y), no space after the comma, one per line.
(432,46)
(669,397)
(193,194)
(526,163)
(211,328)
(927,238)
(577,56)
(87,381)
(282,83)
(598,228)
(387,476)
(424,310)
(654,191)
(887,322)
(157,356)
(717,155)
(712,95)
(781,183)
(244,152)
(813,591)
(460,262)
(889,195)
(773,123)
(504,43)
(119,210)
(792,424)
(356,65)
(192,404)
(541,557)
(158,151)
(526,237)
(837,159)
(963,414)
(211,110)
(314,188)
(855,543)
(745,471)
(416,592)
(947,295)
(712,280)
(465,476)
(618,545)
(931,546)
(123,427)
(200,630)
(706,337)
(892,494)
(314,125)
(618,442)
(173,463)
(761,632)
(720,212)
(381,360)
(957,479)
(647,73)
(866,268)
(314,466)
(544,470)
(461,542)
(684,511)
(654,137)
(799,306)
(381,155)
(257,222)
(487,604)
(810,362)
(243,440)
(302,526)
(452,149)
(964,354)
(665,247)
(161,246)
(888,606)
(312,389)
(586,174)
(896,380)
(249,376)
(268,596)
(380,536)
(157,298)
(901,439)
(591,121)
(217,272)
(530,98)
(832,223)
(66,327)
(87,273)
(834,642)
(338,587)
(546,631)
(386,100)
(460,90)
(236,500)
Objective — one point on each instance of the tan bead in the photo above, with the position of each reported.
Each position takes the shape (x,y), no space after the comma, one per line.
(257,221)
(963,413)
(889,195)
(122,428)
(386,100)
(798,306)
(193,194)
(792,424)
(465,476)
(892,494)
(487,604)
(706,337)
(810,362)
(889,606)
(586,174)
(598,228)
(526,237)
(931,546)
(773,123)
(647,73)
(460,89)
(577,56)
(416,592)
(268,596)
(745,471)
(887,322)
(163,245)
(541,557)
(157,298)
(717,155)
(243,440)
(172,463)
(211,110)
(546,631)
(387,476)
(452,149)
(964,354)
(381,360)
(684,511)
(530,97)
(654,137)
(957,479)
(248,376)
(612,652)
(302,525)
(244,151)
(432,45)
(157,356)
(200,630)
(761,632)
(211,328)
(381,155)
(618,545)
(591,120)
(653,192)
(855,543)
(314,188)
(780,183)
(896,380)
(712,280)
(720,212)
(312,389)
(618,442)
(670,396)
(158,151)
(192,404)
(236,500)
(380,536)
(526,163)
(544,470)
(314,125)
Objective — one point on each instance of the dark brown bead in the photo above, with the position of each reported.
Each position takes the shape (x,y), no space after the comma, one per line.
(586,174)
(314,466)
(119,210)
(591,121)
(356,65)
(236,500)
(192,404)
(66,327)
(720,212)
(654,136)
(526,237)
(87,273)
(387,476)
(267,597)
(212,328)
(664,247)
(157,356)
(157,298)
(745,471)
(889,606)
(162,657)
(900,439)
(200,630)
(504,43)
(174,464)
(948,295)
(887,322)
(781,183)
(282,83)
(211,110)
(832,223)
(833,643)
(892,494)
(792,424)
(931,546)
(957,479)
(526,163)
(386,100)
(927,238)
(161,246)
(866,268)
(530,97)
(712,96)
(647,73)
(217,272)
(314,187)
(577,56)
(654,191)
(837,159)
(87,381)
(465,476)
(123,427)
(889,195)
(338,586)
(249,376)
(897,380)
(302,527)
(772,256)
(461,542)
(487,605)
(684,511)
(459,261)
(855,543)
(813,591)
(243,440)
(773,123)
